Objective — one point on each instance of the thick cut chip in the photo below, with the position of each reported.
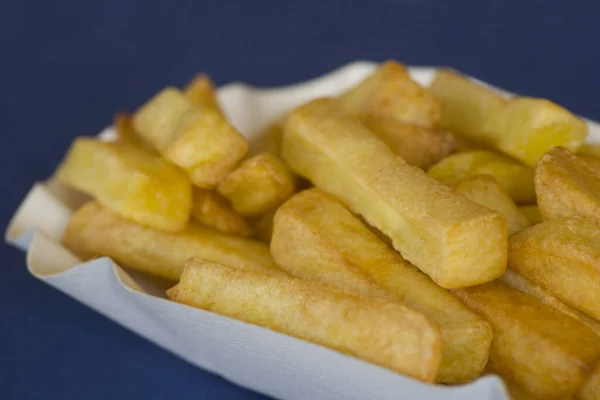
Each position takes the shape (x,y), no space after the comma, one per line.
(387,334)
(259,184)
(532,213)
(592,161)
(516,179)
(524,128)
(563,257)
(158,120)
(129,182)
(566,186)
(522,284)
(264,226)
(590,390)
(200,91)
(389,92)
(315,237)
(207,147)
(485,190)
(210,209)
(123,124)
(590,149)
(547,353)
(453,240)
(418,146)
(94,231)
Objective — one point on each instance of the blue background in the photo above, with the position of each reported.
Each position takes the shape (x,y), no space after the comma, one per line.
(67,66)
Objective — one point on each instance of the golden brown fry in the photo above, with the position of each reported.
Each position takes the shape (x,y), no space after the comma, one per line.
(272,137)
(123,124)
(94,231)
(547,353)
(592,162)
(418,146)
(264,226)
(514,390)
(590,149)
(210,209)
(522,284)
(455,241)
(200,91)
(590,390)
(485,190)
(563,257)
(316,238)
(387,334)
(566,186)
(260,184)
(516,179)
(130,182)
(208,148)
(389,92)
(532,213)
(524,128)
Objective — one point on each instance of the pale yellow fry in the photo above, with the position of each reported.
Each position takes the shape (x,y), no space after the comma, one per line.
(485,190)
(389,92)
(131,182)
(94,231)
(563,257)
(258,185)
(522,127)
(200,91)
(545,352)
(316,238)
(387,334)
(566,186)
(210,209)
(516,179)
(123,124)
(418,146)
(453,240)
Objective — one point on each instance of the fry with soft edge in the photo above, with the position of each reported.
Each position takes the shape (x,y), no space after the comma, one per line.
(389,92)
(522,127)
(387,334)
(453,240)
(566,186)
(200,91)
(545,352)
(316,238)
(563,257)
(485,190)
(210,209)
(516,179)
(94,231)
(131,182)
(123,124)
(258,185)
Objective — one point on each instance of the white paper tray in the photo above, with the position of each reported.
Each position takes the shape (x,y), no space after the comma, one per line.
(249,356)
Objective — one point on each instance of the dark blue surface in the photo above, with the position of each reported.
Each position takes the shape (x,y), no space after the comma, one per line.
(67,66)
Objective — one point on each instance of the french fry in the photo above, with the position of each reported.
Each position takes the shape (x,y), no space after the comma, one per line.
(210,209)
(200,141)
(485,190)
(516,179)
(453,240)
(387,334)
(130,182)
(418,146)
(316,238)
(532,213)
(522,284)
(258,185)
(389,92)
(123,124)
(545,352)
(589,149)
(515,391)
(200,91)
(566,186)
(590,390)
(264,226)
(563,257)
(522,127)
(94,231)
(593,162)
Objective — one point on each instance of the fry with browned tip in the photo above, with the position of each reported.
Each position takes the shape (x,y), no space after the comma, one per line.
(316,238)
(212,210)
(387,334)
(94,231)
(544,351)
(200,91)
(453,240)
